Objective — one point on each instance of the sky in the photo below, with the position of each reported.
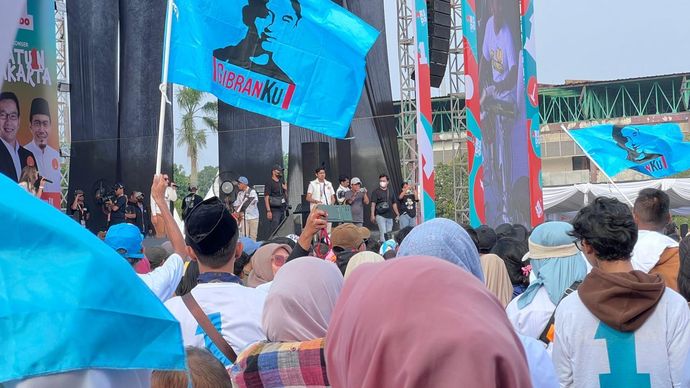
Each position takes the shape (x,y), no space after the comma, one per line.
(576,40)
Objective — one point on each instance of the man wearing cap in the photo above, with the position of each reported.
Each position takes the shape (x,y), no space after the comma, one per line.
(246,210)
(348,240)
(234,310)
(192,199)
(357,197)
(47,158)
(127,240)
(78,210)
(275,197)
(136,212)
(118,206)
(13,157)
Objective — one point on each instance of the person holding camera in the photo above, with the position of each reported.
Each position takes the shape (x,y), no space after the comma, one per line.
(78,210)
(357,197)
(245,209)
(32,181)
(408,204)
(342,189)
(384,207)
(118,206)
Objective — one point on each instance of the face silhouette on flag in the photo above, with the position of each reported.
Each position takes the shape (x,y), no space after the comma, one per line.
(633,142)
(268,23)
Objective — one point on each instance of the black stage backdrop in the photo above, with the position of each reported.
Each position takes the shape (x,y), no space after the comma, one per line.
(98,119)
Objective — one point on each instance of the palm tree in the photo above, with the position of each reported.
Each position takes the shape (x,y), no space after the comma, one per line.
(189,135)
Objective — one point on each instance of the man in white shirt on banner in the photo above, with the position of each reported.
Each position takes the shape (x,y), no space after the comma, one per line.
(320,191)
(234,310)
(246,209)
(47,157)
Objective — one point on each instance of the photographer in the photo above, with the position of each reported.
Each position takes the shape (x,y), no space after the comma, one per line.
(342,189)
(408,205)
(32,181)
(117,206)
(78,210)
(357,197)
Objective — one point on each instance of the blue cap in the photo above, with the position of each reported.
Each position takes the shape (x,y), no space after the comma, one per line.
(243,179)
(127,238)
(249,246)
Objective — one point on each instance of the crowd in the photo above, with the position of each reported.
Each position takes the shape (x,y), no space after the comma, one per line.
(598,302)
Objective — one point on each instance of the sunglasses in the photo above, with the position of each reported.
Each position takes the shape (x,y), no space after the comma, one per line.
(279,260)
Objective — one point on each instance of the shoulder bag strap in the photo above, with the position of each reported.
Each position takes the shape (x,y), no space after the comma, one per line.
(208,327)
(547,335)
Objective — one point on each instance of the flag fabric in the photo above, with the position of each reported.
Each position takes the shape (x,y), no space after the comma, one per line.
(69,302)
(300,61)
(654,150)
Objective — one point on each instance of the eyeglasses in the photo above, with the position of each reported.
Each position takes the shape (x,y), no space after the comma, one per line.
(9,116)
(279,260)
(578,244)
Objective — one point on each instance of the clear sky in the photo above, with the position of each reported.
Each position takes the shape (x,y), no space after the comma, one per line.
(576,39)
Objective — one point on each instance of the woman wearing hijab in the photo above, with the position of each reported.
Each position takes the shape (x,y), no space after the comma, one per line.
(266,261)
(362,258)
(556,265)
(450,333)
(296,316)
(444,239)
(496,278)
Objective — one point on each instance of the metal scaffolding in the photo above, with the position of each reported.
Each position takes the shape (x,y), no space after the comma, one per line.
(64,133)
(407,119)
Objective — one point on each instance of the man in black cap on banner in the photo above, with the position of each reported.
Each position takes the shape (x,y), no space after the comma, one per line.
(233,309)
(275,195)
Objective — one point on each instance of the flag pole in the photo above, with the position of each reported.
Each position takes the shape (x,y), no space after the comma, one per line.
(164,87)
(597,165)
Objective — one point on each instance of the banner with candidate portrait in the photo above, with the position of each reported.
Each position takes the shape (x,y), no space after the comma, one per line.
(299,61)
(503,159)
(654,150)
(29,140)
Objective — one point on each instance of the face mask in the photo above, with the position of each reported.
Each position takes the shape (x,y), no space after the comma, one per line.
(383,184)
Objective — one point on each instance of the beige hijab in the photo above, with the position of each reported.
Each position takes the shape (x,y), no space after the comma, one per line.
(496,278)
(361,258)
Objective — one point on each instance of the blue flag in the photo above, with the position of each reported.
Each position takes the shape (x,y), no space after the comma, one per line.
(654,150)
(300,61)
(70,302)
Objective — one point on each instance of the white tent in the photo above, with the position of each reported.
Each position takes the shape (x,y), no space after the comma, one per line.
(565,201)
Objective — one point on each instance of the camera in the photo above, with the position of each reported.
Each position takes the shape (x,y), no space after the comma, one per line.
(363,189)
(104,196)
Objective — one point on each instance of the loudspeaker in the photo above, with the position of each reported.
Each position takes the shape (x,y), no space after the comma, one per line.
(439,38)
(314,155)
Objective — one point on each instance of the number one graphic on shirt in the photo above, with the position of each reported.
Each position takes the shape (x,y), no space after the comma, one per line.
(622,360)
(215,320)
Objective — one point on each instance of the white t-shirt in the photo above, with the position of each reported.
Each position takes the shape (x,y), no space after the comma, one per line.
(170,195)
(48,163)
(252,212)
(164,280)
(340,194)
(649,248)
(321,191)
(531,320)
(234,310)
(585,351)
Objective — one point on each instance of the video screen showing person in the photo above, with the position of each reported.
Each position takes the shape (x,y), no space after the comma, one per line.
(502,112)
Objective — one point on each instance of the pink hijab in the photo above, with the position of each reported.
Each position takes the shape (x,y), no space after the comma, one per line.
(301,299)
(386,331)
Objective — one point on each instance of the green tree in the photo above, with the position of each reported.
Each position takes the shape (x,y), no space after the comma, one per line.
(445,204)
(206,177)
(181,178)
(189,135)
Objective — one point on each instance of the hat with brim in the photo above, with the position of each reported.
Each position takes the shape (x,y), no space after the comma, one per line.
(126,239)
(349,236)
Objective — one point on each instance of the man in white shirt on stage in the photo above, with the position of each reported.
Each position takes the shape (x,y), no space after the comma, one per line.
(246,210)
(320,191)
(47,157)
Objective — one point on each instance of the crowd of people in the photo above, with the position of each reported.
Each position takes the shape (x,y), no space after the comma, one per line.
(598,302)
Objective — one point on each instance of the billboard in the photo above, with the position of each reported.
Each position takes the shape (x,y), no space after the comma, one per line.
(28,103)
(499,147)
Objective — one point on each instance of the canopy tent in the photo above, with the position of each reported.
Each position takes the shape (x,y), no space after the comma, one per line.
(565,201)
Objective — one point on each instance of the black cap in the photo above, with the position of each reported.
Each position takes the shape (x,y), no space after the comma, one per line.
(504,230)
(39,106)
(486,239)
(277,167)
(209,227)
(118,186)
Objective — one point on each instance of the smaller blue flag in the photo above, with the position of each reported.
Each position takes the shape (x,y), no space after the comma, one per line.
(300,61)
(69,302)
(655,150)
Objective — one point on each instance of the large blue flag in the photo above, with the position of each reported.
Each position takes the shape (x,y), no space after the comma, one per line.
(300,61)
(654,150)
(69,302)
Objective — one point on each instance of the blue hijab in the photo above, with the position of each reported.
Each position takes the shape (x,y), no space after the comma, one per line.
(446,240)
(555,274)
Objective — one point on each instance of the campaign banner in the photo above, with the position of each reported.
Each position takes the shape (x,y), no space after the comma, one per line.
(299,61)
(536,197)
(28,102)
(496,113)
(654,150)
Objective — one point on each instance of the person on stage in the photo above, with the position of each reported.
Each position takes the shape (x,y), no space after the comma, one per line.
(246,209)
